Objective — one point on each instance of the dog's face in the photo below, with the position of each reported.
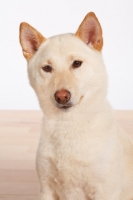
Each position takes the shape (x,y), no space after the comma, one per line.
(67,69)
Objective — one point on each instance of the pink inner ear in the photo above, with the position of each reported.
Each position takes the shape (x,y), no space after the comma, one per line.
(90,31)
(29,41)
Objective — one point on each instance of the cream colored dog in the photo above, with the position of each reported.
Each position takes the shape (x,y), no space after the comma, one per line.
(82,154)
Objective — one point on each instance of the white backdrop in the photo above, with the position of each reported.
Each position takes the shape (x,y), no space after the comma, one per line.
(52,17)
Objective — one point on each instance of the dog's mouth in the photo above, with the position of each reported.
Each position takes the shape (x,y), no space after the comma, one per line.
(65,106)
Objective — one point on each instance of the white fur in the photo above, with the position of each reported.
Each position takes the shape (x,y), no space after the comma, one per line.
(82,154)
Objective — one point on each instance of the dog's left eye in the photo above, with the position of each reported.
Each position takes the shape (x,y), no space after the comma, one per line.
(76,64)
(47,68)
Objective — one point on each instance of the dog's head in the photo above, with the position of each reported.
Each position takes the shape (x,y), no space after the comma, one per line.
(67,69)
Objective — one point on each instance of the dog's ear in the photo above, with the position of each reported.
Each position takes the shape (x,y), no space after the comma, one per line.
(30,40)
(90,31)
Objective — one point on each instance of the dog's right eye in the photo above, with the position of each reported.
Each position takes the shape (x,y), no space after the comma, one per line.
(47,68)
(76,64)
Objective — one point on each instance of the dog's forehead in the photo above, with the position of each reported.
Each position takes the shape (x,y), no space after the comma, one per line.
(63,44)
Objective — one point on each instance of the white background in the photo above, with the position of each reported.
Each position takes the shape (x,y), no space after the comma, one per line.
(52,17)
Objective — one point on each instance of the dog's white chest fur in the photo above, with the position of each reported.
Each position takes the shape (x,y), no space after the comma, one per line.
(73,154)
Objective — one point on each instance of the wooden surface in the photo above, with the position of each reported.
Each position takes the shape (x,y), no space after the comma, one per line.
(19,136)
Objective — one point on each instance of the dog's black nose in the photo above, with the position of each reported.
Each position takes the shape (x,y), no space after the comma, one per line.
(62,96)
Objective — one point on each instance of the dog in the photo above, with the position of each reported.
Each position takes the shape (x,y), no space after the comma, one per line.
(83,154)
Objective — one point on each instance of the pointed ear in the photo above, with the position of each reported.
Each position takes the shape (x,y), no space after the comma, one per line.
(90,31)
(30,40)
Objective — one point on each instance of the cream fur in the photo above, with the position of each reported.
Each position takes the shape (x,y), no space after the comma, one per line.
(82,154)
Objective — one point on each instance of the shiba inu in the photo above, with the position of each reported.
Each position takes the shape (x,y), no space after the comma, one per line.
(83,154)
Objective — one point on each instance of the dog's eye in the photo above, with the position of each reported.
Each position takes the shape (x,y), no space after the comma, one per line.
(76,64)
(47,68)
